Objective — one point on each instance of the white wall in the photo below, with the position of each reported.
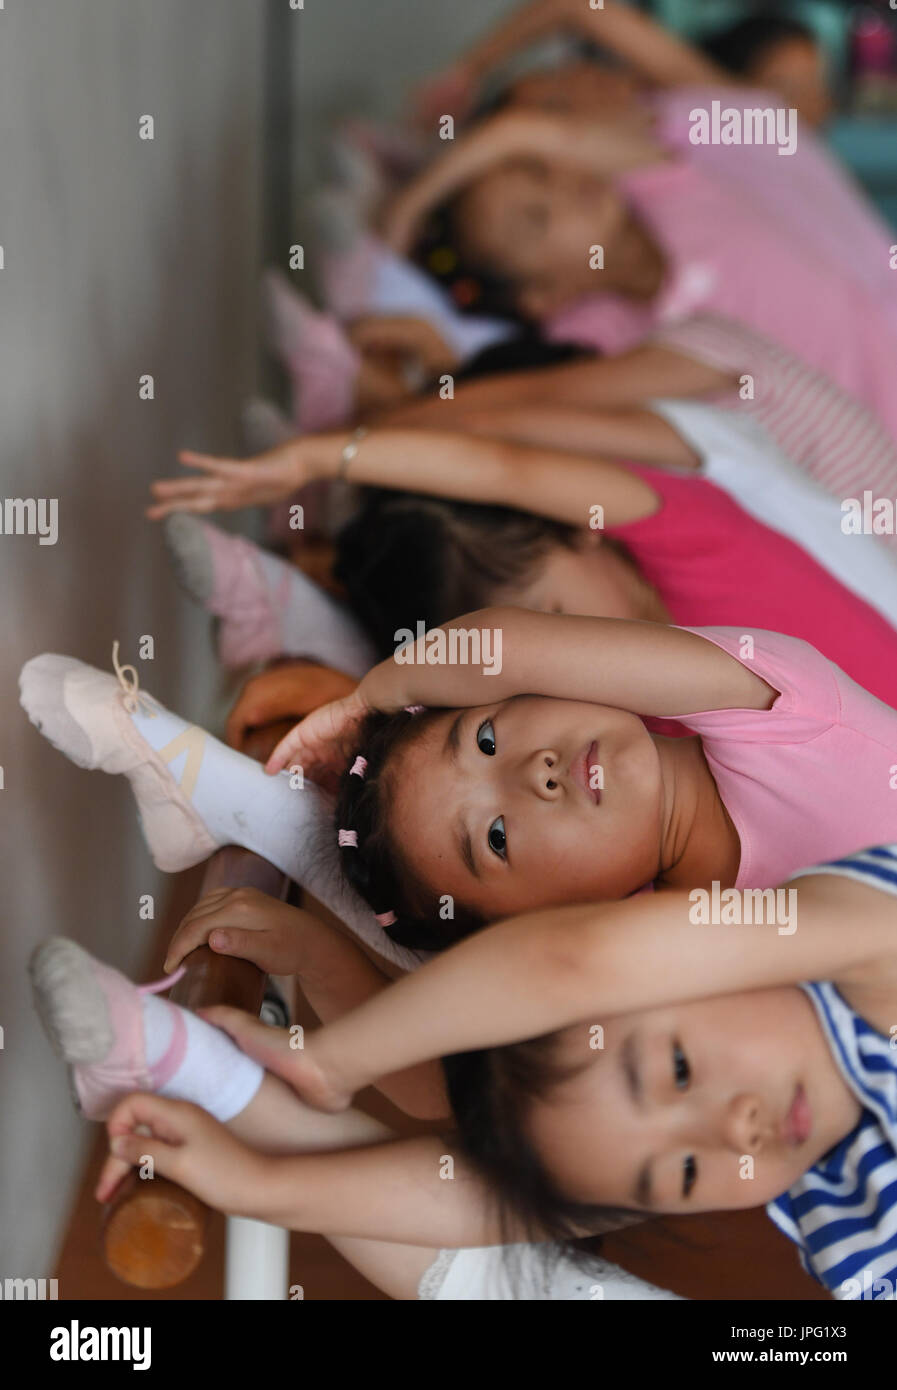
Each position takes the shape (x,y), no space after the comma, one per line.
(363,56)
(121,257)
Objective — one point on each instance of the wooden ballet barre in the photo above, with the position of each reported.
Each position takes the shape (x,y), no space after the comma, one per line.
(153,1230)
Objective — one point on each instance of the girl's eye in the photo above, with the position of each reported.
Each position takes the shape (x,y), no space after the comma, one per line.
(689,1174)
(681,1069)
(486,739)
(497,838)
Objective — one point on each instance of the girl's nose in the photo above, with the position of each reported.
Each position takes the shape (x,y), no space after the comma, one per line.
(746,1125)
(540,774)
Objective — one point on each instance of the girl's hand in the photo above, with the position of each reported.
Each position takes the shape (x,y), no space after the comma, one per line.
(403,335)
(290,690)
(229,484)
(246,923)
(290,1055)
(187,1145)
(320,744)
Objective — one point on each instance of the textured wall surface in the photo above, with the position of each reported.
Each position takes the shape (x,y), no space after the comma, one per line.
(363,56)
(120,257)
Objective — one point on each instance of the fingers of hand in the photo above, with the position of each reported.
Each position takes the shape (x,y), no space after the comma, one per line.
(169,1123)
(197,924)
(287,750)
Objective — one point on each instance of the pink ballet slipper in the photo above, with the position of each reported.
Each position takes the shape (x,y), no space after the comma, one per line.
(236,581)
(86,714)
(322,363)
(93,1016)
(348,276)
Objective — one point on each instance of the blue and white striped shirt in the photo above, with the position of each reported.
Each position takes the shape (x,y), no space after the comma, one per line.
(843,1211)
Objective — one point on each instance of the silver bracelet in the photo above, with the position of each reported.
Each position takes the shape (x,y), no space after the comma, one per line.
(349,451)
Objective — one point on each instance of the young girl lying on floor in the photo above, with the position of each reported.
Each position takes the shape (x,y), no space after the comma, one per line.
(715,1080)
(665,548)
(755,417)
(794,410)
(531,779)
(531,200)
(806,194)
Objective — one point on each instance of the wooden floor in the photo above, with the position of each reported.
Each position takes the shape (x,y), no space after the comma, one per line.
(737,1255)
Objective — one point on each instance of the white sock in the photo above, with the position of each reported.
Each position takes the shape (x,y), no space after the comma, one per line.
(213,1072)
(196,794)
(292,827)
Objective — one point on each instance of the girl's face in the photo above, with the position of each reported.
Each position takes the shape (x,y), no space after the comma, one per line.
(535,224)
(710,1106)
(530,802)
(591,580)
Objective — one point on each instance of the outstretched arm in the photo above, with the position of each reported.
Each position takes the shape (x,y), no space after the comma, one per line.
(547,481)
(353,1180)
(604,393)
(547,970)
(639,436)
(654,52)
(644,45)
(644,667)
(628,380)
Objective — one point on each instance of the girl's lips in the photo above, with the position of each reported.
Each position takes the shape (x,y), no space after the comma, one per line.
(580,771)
(799,1120)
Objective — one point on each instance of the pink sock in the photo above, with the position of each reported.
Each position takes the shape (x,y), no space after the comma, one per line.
(322,363)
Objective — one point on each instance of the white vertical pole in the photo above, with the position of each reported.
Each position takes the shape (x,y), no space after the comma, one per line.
(257,1260)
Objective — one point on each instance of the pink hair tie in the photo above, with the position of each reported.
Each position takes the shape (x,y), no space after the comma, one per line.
(414,709)
(348,838)
(386,919)
(359,767)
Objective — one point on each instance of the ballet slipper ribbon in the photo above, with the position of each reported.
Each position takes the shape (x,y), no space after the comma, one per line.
(132,697)
(166,982)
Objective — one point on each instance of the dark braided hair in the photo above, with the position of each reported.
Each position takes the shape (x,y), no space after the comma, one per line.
(406,557)
(376,868)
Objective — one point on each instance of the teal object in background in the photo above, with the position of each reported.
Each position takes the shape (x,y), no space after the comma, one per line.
(868,146)
(697,18)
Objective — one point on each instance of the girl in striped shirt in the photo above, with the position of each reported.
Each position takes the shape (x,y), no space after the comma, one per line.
(593,1092)
(606,1063)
